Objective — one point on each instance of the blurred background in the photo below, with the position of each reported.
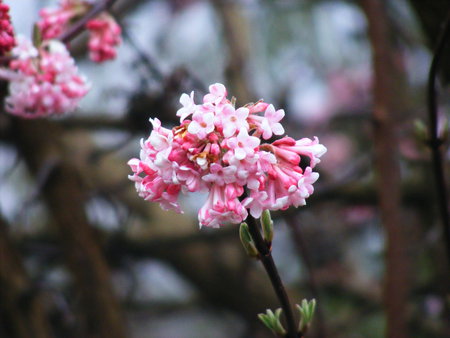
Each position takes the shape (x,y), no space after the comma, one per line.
(81,255)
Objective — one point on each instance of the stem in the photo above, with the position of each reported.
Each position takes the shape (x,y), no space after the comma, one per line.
(78,27)
(435,142)
(271,269)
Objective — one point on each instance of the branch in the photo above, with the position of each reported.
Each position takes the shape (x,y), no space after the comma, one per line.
(436,142)
(78,27)
(266,259)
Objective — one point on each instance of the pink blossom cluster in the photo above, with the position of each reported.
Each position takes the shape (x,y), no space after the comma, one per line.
(43,81)
(105,37)
(105,33)
(225,150)
(54,21)
(7,40)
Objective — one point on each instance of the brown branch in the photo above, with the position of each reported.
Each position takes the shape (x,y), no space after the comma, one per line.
(387,104)
(265,256)
(436,142)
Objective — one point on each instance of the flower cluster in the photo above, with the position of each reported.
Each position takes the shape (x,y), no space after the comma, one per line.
(54,21)
(105,37)
(7,40)
(223,149)
(104,31)
(43,81)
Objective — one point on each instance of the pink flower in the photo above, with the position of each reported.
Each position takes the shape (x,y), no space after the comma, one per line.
(189,106)
(268,124)
(217,94)
(105,33)
(290,149)
(202,124)
(243,144)
(7,41)
(220,150)
(222,206)
(153,188)
(271,122)
(233,120)
(54,21)
(221,175)
(104,38)
(46,81)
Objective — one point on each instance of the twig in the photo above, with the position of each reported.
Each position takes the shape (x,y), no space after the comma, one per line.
(266,259)
(144,57)
(77,28)
(435,141)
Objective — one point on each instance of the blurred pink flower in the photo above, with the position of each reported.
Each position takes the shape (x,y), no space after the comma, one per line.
(104,38)
(44,81)
(105,33)
(7,40)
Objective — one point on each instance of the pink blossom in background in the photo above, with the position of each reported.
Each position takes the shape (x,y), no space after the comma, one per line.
(54,21)
(105,36)
(105,33)
(221,149)
(44,81)
(7,40)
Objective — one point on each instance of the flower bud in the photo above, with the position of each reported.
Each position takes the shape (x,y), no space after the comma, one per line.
(421,131)
(267,226)
(247,240)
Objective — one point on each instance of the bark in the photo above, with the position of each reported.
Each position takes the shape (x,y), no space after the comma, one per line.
(21,308)
(40,142)
(387,105)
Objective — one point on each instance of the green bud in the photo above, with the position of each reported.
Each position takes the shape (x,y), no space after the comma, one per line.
(247,241)
(306,310)
(267,226)
(444,131)
(37,36)
(421,131)
(272,321)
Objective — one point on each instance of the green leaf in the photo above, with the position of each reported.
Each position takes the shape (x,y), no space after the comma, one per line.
(306,310)
(37,36)
(272,321)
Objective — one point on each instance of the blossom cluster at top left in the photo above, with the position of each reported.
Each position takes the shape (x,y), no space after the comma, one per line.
(43,77)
